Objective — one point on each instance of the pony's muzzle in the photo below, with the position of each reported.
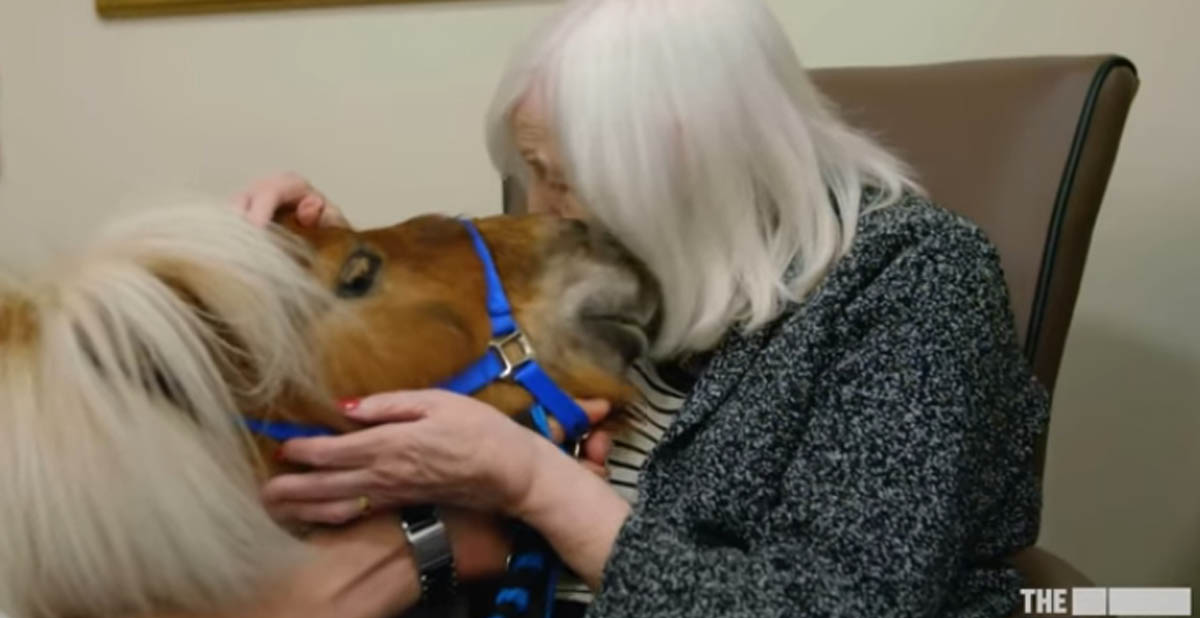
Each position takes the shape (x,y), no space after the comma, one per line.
(616,299)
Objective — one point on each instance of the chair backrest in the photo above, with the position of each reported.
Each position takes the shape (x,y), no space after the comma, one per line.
(1023,147)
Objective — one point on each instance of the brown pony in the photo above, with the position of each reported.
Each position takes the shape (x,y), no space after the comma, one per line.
(127,481)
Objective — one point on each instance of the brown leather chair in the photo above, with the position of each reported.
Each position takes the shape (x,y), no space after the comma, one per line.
(1024,148)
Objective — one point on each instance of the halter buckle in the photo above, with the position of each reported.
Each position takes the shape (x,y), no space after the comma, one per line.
(503,345)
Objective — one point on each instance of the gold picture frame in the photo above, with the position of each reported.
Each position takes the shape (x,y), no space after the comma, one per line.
(148,8)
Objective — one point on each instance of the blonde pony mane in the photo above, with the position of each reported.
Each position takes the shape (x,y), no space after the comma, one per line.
(124,481)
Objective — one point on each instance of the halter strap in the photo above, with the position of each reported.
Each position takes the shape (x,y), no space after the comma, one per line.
(497,365)
(282,431)
(498,307)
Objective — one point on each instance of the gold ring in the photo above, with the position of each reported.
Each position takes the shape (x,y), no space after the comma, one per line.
(364,505)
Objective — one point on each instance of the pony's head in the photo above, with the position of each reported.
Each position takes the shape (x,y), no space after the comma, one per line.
(127,481)
(410,309)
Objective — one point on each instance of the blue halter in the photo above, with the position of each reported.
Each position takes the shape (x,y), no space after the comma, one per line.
(497,364)
(509,357)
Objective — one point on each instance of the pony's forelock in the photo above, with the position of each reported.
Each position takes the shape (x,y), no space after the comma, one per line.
(690,130)
(124,481)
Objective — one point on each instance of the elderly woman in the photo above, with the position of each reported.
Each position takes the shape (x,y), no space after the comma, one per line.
(844,423)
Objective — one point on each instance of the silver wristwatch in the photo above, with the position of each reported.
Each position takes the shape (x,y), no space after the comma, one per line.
(431,551)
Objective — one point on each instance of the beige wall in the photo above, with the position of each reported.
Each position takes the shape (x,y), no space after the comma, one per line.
(382,107)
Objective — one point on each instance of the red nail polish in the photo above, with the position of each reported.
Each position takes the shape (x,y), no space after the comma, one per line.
(278,456)
(349,405)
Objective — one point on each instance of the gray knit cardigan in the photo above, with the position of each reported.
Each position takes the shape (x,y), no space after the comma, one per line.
(869,454)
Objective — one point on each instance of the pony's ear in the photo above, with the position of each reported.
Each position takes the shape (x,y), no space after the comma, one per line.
(124,481)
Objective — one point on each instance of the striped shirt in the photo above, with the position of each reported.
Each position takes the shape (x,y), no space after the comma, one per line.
(644,423)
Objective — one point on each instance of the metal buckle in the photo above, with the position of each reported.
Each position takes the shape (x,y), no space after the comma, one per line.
(501,345)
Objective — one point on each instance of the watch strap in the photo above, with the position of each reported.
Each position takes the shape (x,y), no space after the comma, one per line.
(431,552)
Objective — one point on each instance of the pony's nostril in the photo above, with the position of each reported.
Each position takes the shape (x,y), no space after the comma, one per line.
(627,337)
(577,225)
(655,324)
(624,311)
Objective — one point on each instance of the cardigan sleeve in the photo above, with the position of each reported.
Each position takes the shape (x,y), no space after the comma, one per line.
(914,476)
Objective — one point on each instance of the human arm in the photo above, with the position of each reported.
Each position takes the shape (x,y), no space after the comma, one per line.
(438,447)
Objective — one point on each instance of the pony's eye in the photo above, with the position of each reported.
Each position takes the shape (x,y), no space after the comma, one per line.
(358,274)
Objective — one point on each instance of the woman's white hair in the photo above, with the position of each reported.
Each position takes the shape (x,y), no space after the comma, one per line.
(689,129)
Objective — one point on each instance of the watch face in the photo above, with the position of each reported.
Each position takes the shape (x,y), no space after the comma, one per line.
(419,514)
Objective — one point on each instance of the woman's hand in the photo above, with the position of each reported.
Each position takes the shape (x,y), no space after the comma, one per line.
(426,447)
(441,448)
(260,203)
